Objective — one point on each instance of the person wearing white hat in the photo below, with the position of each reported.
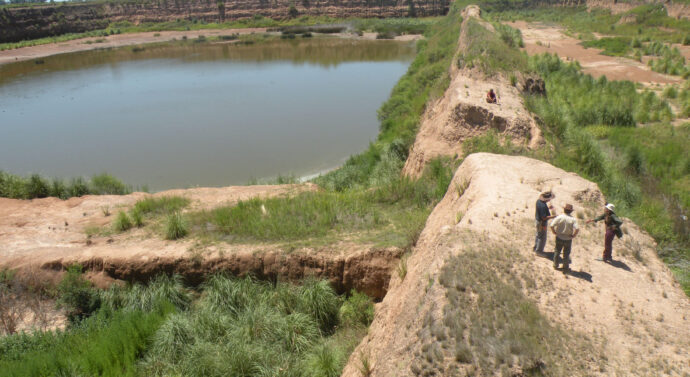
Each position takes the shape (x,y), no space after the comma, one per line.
(612,224)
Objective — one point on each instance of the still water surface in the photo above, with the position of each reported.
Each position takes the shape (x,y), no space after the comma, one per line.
(196,114)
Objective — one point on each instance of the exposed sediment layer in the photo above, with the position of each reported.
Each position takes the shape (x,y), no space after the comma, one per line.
(23,23)
(46,236)
(463,113)
(364,269)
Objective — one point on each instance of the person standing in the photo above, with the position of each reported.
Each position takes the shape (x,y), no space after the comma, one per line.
(565,228)
(542,217)
(612,224)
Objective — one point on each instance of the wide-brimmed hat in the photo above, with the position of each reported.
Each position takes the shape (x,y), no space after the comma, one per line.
(610,207)
(547,195)
(568,208)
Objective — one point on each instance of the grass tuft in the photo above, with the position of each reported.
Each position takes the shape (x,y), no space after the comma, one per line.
(175,226)
(122,222)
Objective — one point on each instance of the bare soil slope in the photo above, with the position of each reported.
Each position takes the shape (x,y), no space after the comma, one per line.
(632,314)
(463,112)
(46,235)
(541,38)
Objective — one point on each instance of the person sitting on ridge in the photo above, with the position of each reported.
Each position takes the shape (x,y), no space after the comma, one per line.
(491,97)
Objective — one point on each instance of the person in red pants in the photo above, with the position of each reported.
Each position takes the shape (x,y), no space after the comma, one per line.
(612,223)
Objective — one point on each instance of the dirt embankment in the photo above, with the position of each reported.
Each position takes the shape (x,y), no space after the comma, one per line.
(47,235)
(113,41)
(629,317)
(23,23)
(633,308)
(463,112)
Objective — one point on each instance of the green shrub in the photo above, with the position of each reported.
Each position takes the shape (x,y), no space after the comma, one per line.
(78,187)
(137,218)
(509,35)
(122,222)
(175,226)
(318,300)
(77,295)
(37,187)
(160,206)
(613,46)
(358,309)
(106,344)
(161,289)
(324,361)
(635,161)
(670,92)
(106,184)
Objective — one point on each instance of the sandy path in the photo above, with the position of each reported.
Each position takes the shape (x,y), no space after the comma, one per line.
(552,40)
(117,40)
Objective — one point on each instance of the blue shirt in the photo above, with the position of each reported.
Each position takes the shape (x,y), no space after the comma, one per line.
(542,212)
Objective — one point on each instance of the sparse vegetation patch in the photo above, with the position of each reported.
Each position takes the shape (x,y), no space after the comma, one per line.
(490,325)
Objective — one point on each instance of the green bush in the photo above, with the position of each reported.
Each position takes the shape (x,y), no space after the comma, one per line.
(106,184)
(319,301)
(77,295)
(122,222)
(580,100)
(175,226)
(509,35)
(358,309)
(37,187)
(613,46)
(137,218)
(106,344)
(241,326)
(16,187)
(160,206)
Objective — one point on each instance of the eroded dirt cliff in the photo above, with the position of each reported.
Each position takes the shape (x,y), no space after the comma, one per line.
(45,236)
(47,20)
(463,112)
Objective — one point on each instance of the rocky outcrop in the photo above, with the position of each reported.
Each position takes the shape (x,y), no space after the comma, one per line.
(21,23)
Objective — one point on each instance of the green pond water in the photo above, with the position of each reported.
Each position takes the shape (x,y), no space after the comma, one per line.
(197,114)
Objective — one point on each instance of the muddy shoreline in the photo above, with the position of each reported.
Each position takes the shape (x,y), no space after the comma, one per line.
(132,39)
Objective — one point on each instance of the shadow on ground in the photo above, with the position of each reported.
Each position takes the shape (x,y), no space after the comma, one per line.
(577,274)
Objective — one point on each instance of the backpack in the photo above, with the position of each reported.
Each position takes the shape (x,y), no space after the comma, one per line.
(617,229)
